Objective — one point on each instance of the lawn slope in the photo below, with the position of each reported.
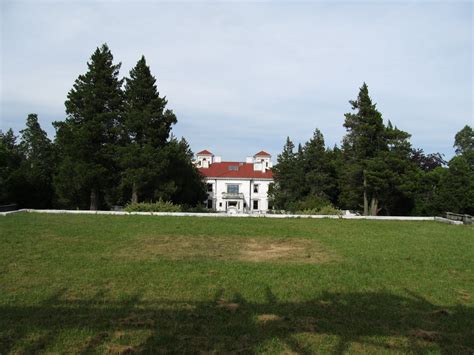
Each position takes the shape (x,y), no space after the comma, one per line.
(122,284)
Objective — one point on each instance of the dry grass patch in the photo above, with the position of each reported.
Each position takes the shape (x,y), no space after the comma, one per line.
(262,249)
(264,318)
(426,334)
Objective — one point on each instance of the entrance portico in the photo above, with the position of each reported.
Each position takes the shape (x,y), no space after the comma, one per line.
(234,201)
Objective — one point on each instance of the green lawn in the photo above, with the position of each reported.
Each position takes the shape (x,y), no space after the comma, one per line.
(122,284)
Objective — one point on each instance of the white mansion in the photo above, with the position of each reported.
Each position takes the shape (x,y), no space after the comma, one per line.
(236,186)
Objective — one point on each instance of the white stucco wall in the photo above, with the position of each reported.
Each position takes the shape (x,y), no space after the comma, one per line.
(246,187)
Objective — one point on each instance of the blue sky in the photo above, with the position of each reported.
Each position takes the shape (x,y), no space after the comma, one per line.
(241,76)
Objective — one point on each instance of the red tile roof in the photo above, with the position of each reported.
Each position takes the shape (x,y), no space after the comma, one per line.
(262,154)
(204,152)
(244,171)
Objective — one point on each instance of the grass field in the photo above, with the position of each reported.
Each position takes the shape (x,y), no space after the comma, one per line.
(123,284)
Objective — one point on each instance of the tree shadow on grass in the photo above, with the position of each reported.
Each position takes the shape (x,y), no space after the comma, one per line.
(370,320)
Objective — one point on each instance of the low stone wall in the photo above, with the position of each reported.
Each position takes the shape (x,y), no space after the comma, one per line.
(448,221)
(238,215)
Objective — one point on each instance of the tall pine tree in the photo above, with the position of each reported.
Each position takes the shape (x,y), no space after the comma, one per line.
(38,164)
(11,182)
(364,140)
(286,175)
(317,180)
(146,129)
(87,140)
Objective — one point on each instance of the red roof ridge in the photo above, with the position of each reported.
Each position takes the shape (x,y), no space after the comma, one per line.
(204,152)
(262,153)
(245,170)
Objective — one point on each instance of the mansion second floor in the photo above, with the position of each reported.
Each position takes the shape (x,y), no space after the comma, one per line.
(237,186)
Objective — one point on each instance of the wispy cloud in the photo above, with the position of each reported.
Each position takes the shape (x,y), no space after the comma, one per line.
(243,76)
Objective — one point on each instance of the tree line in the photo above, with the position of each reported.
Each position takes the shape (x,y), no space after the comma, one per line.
(115,146)
(375,170)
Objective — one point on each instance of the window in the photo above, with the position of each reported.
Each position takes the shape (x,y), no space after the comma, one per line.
(209,187)
(233,189)
(220,204)
(233,168)
(255,204)
(255,188)
(266,164)
(209,204)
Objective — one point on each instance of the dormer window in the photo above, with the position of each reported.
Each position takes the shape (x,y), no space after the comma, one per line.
(233,168)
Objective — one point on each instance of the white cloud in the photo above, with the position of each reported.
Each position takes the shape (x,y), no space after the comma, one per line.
(243,76)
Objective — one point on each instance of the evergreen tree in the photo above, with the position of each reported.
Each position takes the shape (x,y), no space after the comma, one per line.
(365,128)
(364,140)
(38,165)
(11,182)
(379,173)
(464,144)
(189,188)
(464,140)
(426,199)
(146,129)
(286,176)
(349,178)
(391,175)
(88,139)
(456,188)
(317,180)
(451,188)
(335,167)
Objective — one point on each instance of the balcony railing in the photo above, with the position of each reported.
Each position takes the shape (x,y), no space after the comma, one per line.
(233,195)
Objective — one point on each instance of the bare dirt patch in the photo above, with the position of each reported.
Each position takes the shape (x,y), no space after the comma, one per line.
(264,318)
(262,249)
(426,334)
(228,306)
(259,250)
(121,349)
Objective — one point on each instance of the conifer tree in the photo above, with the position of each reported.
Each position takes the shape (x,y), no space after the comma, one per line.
(10,162)
(317,180)
(146,129)
(286,176)
(182,174)
(87,140)
(464,140)
(38,164)
(456,188)
(364,140)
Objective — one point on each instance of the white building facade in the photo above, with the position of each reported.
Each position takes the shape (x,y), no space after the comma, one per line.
(237,187)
